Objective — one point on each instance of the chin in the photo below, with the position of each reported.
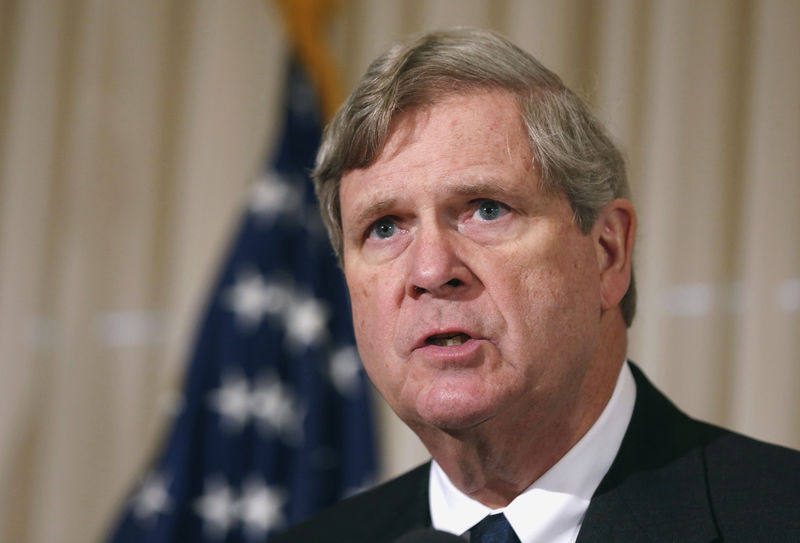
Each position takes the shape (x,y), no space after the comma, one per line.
(454,411)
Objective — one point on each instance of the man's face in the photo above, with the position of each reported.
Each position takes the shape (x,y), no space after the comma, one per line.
(475,296)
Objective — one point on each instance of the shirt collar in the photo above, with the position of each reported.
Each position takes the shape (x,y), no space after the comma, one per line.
(552,508)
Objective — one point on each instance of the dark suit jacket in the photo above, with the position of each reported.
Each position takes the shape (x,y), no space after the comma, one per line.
(674,479)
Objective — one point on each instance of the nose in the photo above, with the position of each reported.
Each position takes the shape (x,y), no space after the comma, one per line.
(435,265)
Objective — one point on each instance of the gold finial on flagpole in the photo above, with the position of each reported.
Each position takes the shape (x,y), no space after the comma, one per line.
(306,22)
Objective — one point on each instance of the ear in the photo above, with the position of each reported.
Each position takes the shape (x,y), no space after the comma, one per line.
(614,234)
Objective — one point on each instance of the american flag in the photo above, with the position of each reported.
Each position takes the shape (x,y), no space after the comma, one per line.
(275,421)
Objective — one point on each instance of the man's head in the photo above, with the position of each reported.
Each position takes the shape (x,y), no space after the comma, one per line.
(474,205)
(572,152)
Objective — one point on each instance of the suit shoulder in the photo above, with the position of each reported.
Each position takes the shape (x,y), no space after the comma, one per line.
(754,486)
(379,514)
(735,460)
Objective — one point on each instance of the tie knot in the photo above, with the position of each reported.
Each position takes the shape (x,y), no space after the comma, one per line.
(493,529)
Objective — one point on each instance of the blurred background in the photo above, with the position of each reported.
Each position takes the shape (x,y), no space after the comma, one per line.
(130,132)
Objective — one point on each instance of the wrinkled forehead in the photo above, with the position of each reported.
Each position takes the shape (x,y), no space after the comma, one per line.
(408,122)
(465,142)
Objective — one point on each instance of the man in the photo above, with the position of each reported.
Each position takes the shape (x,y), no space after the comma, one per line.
(482,220)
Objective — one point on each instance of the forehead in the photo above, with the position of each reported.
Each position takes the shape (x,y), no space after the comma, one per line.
(490,117)
(464,139)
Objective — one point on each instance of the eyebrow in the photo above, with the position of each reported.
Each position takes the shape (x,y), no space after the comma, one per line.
(485,188)
(372,211)
(482,188)
(375,209)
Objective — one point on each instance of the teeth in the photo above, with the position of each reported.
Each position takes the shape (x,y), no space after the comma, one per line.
(451,341)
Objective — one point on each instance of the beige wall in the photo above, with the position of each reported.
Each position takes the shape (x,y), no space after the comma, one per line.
(129,130)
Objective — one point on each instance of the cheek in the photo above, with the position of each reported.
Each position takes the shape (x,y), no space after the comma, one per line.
(373,319)
(365,314)
(537,303)
(375,293)
(367,327)
(548,296)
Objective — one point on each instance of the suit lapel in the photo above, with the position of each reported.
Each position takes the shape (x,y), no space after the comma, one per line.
(656,488)
(395,508)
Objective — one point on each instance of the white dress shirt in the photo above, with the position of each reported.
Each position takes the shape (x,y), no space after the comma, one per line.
(551,510)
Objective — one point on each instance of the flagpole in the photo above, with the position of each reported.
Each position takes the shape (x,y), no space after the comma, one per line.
(306,22)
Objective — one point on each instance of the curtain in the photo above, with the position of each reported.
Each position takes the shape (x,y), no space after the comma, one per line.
(130,130)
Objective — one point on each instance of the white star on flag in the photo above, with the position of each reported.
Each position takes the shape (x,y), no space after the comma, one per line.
(261,508)
(271,196)
(232,400)
(250,298)
(344,370)
(306,321)
(152,498)
(277,409)
(217,508)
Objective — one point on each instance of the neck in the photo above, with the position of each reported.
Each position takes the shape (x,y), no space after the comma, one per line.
(497,460)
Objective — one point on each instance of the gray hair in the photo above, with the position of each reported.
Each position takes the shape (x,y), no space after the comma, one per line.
(572,151)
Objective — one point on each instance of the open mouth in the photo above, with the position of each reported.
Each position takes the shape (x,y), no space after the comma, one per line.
(448,340)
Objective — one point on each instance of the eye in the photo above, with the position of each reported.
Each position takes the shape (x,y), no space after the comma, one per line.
(489,210)
(383,228)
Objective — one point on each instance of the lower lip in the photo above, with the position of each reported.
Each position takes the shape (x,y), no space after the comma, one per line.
(461,355)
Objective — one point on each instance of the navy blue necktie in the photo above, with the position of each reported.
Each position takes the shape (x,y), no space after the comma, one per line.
(493,529)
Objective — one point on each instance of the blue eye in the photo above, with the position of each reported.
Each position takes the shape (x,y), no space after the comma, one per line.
(489,210)
(383,228)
